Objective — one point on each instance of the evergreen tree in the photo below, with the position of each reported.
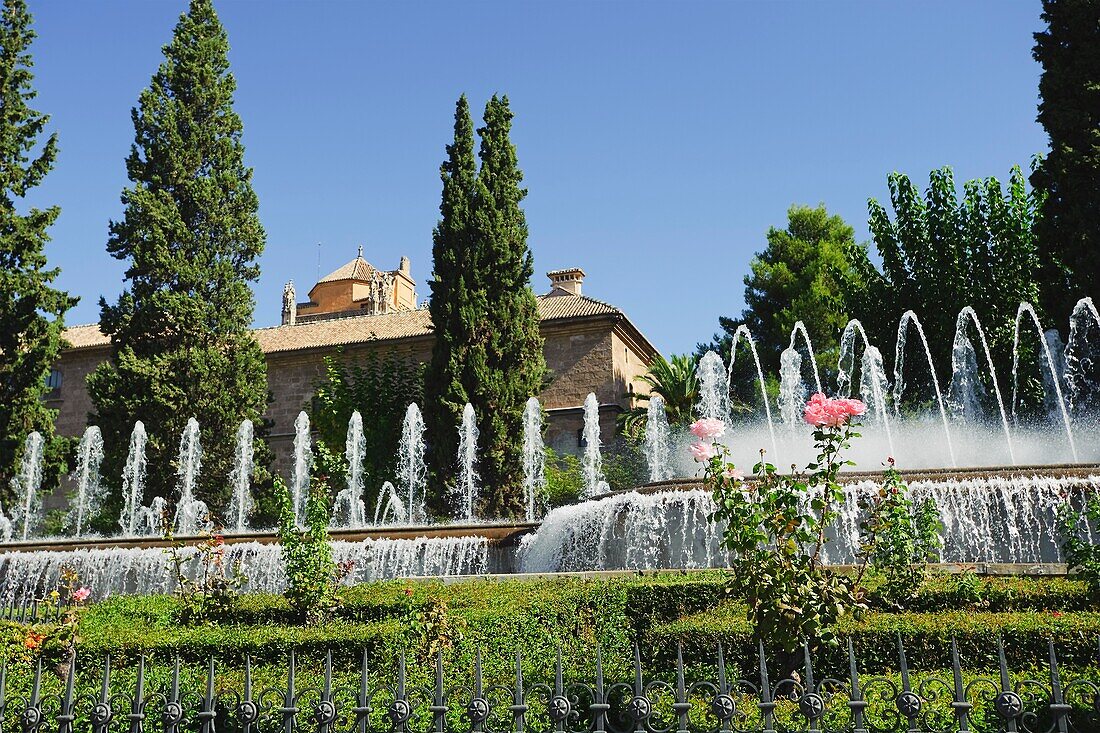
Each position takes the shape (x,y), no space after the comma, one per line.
(488,350)
(1068,178)
(191,235)
(31,310)
(802,275)
(514,364)
(454,287)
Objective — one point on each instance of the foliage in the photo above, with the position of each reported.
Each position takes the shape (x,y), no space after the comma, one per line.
(380,386)
(212,593)
(776,529)
(487,349)
(624,464)
(429,628)
(675,381)
(1069,176)
(312,576)
(940,254)
(1076,532)
(802,274)
(32,311)
(564,478)
(190,234)
(898,537)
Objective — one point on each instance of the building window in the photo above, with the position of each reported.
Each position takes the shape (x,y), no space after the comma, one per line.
(581,442)
(53,383)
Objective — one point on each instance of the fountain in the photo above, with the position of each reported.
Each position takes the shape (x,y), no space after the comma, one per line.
(742,332)
(872,376)
(133,482)
(89,492)
(303,465)
(26,486)
(714,388)
(192,514)
(349,509)
(1055,378)
(465,491)
(389,509)
(1082,359)
(240,504)
(412,473)
(592,461)
(909,318)
(792,390)
(534,459)
(967,315)
(658,444)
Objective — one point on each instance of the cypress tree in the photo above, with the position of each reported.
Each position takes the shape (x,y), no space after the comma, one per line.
(452,285)
(1069,177)
(487,350)
(191,235)
(32,311)
(515,366)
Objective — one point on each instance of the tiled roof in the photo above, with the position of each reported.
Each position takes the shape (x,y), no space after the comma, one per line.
(357,329)
(357,269)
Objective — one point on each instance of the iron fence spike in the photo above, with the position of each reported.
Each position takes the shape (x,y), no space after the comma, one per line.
(638,688)
(809,665)
(723,686)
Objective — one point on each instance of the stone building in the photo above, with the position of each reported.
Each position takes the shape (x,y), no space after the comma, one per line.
(590,346)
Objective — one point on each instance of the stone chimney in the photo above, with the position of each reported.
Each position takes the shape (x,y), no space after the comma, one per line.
(405,267)
(290,304)
(566,282)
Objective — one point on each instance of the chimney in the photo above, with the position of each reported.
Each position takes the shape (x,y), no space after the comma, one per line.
(566,282)
(405,267)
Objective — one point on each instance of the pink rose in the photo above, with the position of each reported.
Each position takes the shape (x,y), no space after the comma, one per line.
(734,474)
(708,428)
(701,451)
(81,594)
(822,411)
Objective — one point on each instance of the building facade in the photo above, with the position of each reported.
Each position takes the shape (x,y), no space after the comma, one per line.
(589,345)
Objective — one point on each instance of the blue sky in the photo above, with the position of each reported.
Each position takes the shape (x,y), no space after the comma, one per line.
(659,140)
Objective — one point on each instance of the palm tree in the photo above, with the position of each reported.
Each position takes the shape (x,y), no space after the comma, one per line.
(674,379)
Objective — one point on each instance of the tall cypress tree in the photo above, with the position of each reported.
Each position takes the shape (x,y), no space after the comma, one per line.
(453,285)
(31,310)
(488,350)
(191,235)
(1069,177)
(515,366)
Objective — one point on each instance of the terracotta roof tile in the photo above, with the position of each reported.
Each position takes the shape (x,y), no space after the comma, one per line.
(357,269)
(357,329)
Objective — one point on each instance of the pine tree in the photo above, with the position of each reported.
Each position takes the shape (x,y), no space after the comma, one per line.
(453,286)
(1068,178)
(514,364)
(488,350)
(31,310)
(191,235)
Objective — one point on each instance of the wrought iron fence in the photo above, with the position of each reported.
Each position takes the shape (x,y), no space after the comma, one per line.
(908,701)
(32,611)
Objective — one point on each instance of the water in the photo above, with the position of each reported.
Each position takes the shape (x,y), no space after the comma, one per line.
(909,318)
(743,333)
(872,377)
(116,571)
(792,390)
(658,444)
(389,509)
(89,490)
(592,460)
(1082,358)
(27,513)
(800,329)
(466,490)
(714,388)
(240,478)
(1051,370)
(412,473)
(534,460)
(192,514)
(303,464)
(133,482)
(349,509)
(986,520)
(968,316)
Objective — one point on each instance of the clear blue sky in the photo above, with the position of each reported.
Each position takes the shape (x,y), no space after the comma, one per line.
(659,141)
